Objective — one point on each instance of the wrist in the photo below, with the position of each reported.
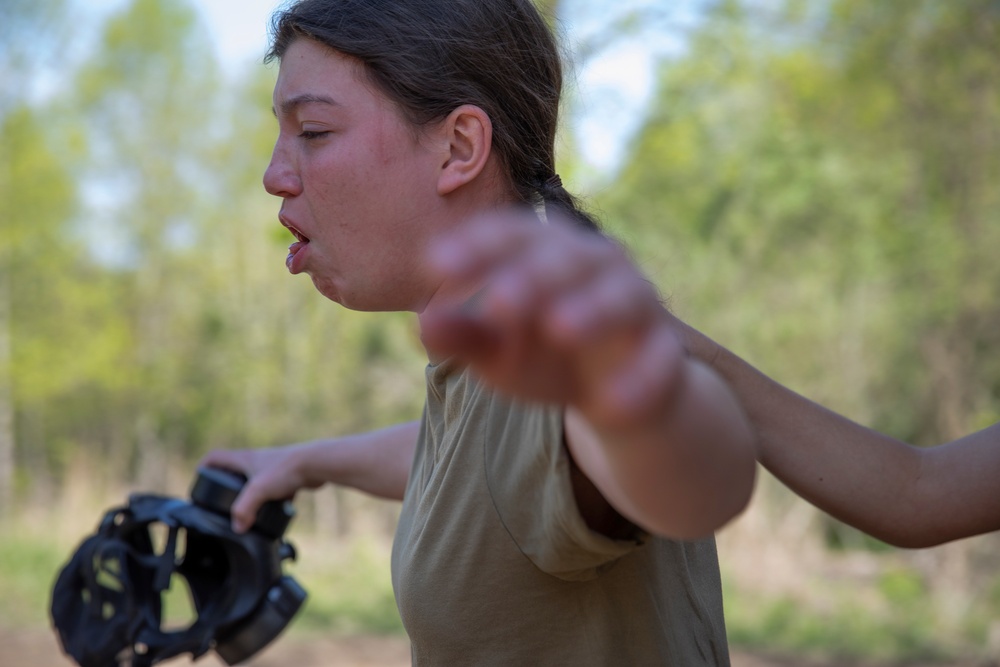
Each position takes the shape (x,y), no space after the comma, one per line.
(306,464)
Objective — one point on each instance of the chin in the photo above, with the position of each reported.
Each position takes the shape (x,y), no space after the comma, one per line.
(355,301)
(327,289)
(342,299)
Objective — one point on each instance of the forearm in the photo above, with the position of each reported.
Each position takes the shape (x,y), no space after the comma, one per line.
(683,469)
(864,478)
(377,462)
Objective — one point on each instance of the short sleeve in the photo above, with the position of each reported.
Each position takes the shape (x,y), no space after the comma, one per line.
(528,471)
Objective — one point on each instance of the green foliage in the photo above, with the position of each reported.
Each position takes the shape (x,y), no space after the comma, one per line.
(843,629)
(814,186)
(153,317)
(820,200)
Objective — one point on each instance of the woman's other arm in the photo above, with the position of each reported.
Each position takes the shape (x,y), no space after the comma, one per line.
(905,495)
(377,463)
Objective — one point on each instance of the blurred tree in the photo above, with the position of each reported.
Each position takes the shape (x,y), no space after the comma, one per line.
(819,201)
(815,187)
(149,97)
(935,68)
(34,192)
(37,196)
(224,348)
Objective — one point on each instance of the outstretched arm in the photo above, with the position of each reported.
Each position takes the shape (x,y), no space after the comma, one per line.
(562,316)
(377,463)
(904,495)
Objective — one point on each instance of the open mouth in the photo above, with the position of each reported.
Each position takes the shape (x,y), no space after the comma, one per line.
(294,250)
(299,236)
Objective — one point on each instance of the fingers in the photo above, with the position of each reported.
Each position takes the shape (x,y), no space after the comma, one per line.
(616,299)
(571,284)
(227,459)
(456,332)
(524,262)
(560,312)
(647,381)
(482,242)
(247,504)
(270,476)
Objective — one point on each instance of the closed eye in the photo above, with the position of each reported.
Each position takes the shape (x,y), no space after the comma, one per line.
(312,134)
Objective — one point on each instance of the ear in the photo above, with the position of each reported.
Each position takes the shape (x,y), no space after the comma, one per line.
(469,134)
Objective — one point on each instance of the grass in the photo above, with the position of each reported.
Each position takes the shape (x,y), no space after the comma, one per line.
(846,632)
(896,622)
(29,565)
(349,585)
(350,592)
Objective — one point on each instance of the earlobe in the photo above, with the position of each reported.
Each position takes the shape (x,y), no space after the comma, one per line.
(469,133)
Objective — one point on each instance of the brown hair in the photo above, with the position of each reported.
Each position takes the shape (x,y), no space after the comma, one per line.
(432,56)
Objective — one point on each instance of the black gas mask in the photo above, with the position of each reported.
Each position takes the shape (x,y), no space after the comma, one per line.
(108,605)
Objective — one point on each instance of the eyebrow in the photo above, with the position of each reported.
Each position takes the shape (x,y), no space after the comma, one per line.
(289,106)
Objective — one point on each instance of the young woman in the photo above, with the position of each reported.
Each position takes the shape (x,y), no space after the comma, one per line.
(561,490)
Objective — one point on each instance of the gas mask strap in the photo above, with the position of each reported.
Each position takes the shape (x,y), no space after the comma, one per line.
(165,567)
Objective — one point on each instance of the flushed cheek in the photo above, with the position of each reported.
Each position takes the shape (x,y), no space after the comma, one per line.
(330,194)
(343,182)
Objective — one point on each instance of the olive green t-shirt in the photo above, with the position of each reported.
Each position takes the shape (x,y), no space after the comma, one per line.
(492,563)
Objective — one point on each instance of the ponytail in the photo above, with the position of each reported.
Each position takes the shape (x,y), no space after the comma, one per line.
(554,197)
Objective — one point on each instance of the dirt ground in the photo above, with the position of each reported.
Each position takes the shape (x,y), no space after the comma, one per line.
(38,648)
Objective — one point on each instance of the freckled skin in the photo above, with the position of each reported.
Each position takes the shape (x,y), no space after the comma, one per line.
(363,191)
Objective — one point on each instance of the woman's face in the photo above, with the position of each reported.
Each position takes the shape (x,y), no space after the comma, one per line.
(358,185)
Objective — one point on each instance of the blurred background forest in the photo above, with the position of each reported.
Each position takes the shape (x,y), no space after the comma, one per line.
(814,183)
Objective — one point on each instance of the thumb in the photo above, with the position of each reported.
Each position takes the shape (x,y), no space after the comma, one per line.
(451,333)
(244,509)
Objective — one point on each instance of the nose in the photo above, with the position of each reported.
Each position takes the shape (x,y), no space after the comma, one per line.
(280,177)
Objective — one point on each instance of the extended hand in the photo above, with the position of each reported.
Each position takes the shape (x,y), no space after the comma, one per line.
(272,474)
(562,316)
